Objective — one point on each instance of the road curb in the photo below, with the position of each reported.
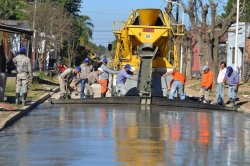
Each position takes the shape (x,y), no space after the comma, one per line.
(15,116)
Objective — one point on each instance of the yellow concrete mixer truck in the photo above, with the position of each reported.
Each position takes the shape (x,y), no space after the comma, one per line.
(146,42)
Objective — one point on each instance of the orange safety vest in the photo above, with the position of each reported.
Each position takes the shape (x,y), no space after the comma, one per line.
(207,80)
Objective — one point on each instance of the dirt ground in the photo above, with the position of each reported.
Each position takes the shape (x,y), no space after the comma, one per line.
(193,87)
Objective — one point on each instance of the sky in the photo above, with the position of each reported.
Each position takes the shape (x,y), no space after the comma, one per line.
(103,13)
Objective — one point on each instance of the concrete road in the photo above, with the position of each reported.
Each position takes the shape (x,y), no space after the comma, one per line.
(126,135)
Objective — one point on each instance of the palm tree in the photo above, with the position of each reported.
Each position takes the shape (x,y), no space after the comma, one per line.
(84,29)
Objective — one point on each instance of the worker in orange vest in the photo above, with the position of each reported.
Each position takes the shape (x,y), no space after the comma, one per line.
(178,83)
(206,85)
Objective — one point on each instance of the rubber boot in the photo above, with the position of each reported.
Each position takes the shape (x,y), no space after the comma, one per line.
(17,98)
(62,96)
(24,99)
(201,99)
(103,95)
(231,104)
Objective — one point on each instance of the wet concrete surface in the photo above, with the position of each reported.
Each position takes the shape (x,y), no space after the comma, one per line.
(130,135)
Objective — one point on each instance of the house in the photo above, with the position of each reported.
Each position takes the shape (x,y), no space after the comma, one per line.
(197,60)
(7,27)
(243,58)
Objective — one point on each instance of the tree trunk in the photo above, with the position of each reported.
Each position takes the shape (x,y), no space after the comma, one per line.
(184,61)
(189,63)
(40,61)
(215,63)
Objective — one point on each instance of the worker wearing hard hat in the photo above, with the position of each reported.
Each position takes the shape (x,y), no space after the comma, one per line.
(91,79)
(177,84)
(24,74)
(121,78)
(206,85)
(86,68)
(104,77)
(65,80)
(232,79)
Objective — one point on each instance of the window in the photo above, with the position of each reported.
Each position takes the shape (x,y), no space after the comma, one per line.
(233,54)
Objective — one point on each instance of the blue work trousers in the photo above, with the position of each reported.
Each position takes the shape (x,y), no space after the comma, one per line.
(83,82)
(177,86)
(220,89)
(231,93)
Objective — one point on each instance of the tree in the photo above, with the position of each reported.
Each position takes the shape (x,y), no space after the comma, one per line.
(245,16)
(185,41)
(84,29)
(13,9)
(71,6)
(53,27)
(209,29)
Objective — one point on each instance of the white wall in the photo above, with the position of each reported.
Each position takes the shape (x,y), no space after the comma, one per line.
(231,44)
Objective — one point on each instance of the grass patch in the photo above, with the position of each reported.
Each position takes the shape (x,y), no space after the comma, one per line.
(36,89)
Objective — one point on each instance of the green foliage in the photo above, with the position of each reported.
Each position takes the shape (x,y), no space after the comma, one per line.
(246,14)
(83,29)
(71,6)
(13,9)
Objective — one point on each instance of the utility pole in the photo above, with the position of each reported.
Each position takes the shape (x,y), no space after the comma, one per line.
(34,36)
(236,37)
(177,11)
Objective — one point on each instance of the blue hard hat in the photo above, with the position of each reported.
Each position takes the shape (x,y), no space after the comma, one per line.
(229,69)
(128,66)
(78,68)
(22,50)
(86,60)
(105,60)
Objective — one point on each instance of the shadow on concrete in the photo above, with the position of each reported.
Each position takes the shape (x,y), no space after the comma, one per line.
(243,102)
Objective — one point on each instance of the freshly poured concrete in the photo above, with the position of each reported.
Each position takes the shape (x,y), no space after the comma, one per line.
(126,135)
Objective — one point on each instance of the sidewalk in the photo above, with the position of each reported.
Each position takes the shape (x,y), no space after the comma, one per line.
(37,93)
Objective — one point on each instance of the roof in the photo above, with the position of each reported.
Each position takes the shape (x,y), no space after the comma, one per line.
(12,26)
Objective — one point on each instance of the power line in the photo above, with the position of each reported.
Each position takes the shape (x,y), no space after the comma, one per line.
(102,30)
(104,13)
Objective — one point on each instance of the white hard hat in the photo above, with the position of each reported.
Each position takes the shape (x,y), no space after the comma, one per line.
(100,69)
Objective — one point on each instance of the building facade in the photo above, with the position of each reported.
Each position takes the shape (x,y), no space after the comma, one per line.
(243,64)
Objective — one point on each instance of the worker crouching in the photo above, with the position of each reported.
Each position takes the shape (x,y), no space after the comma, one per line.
(177,84)
(65,80)
(24,74)
(91,79)
(206,85)
(121,78)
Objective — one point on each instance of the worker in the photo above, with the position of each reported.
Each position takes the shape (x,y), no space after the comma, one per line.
(220,89)
(177,82)
(232,79)
(24,74)
(206,85)
(61,67)
(86,68)
(65,80)
(124,74)
(104,77)
(91,79)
